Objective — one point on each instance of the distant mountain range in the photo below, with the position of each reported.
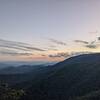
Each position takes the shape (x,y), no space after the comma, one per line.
(76,78)
(3,65)
(21,63)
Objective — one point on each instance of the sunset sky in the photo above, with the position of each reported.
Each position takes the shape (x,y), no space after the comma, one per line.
(48,30)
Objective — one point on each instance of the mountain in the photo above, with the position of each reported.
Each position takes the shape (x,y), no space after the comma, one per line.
(22,74)
(20,69)
(75,77)
(3,65)
(30,63)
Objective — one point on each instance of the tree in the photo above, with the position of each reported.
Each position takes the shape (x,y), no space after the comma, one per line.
(7,93)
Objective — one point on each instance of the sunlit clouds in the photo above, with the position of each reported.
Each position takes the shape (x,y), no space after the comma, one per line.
(48,30)
(52,52)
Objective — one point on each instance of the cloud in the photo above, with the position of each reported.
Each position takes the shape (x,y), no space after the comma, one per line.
(51,49)
(95,32)
(52,46)
(14,48)
(67,54)
(79,53)
(57,42)
(13,53)
(81,41)
(99,38)
(43,55)
(91,45)
(18,45)
(62,54)
(32,48)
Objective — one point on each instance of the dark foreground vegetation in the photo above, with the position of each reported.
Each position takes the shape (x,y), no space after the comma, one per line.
(77,78)
(7,93)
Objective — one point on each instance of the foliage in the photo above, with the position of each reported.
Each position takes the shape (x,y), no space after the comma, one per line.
(7,93)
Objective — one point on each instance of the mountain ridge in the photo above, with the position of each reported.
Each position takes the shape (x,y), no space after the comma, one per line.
(73,77)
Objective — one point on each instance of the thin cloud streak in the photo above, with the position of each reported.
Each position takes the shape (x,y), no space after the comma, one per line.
(18,45)
(13,47)
(13,52)
(57,42)
(81,41)
(62,54)
(67,54)
(91,45)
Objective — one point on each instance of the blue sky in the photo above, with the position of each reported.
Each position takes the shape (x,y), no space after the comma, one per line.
(38,22)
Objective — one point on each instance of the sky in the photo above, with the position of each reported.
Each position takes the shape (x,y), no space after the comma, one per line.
(48,30)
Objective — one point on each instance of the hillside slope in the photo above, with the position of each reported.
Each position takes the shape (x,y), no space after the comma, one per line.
(76,76)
